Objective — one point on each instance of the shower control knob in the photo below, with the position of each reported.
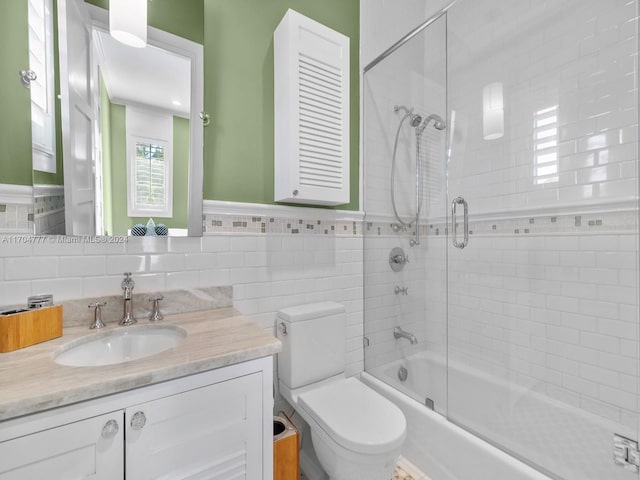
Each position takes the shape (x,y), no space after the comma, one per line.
(397,259)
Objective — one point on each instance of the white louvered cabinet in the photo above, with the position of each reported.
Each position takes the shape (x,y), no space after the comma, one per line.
(311,87)
(90,448)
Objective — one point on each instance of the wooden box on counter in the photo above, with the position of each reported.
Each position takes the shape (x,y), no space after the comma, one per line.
(21,327)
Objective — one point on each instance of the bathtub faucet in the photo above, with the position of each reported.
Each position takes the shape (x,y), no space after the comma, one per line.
(400,333)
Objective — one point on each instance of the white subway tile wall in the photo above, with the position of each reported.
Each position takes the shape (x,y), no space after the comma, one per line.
(568,76)
(48,214)
(267,271)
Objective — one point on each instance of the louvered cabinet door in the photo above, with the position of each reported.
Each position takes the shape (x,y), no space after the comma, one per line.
(311,79)
(210,433)
(87,449)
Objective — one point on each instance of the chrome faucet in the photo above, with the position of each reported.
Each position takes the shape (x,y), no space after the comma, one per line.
(400,333)
(127,286)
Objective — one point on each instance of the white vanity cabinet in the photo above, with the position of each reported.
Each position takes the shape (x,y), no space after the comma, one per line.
(213,425)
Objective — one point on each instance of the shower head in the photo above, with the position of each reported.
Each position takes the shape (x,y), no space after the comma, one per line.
(438,122)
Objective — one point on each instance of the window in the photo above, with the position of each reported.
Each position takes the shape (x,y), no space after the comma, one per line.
(151,175)
(42,89)
(545,141)
(151,179)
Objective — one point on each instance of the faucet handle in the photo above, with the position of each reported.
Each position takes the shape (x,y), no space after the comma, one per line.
(128,281)
(155,312)
(97,315)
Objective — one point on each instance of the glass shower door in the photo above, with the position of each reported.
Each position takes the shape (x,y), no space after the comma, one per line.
(404,178)
(543,300)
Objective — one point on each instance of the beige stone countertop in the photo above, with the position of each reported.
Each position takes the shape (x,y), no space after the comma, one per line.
(30,380)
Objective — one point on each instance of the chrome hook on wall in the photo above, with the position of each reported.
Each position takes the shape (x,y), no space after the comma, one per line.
(26,77)
(206,119)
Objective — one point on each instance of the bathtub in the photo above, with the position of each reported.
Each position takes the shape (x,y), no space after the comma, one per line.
(572,443)
(425,382)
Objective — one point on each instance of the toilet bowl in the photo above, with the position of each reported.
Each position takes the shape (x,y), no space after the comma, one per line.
(357,434)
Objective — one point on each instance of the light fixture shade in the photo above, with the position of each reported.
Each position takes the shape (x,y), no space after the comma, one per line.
(492,111)
(128,22)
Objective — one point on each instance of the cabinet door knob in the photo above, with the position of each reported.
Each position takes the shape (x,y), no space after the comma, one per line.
(138,420)
(110,429)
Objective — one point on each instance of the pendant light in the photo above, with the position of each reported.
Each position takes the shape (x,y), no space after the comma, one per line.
(128,22)
(493,111)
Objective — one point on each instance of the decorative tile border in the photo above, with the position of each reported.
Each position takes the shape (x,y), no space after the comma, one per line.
(216,224)
(48,203)
(589,223)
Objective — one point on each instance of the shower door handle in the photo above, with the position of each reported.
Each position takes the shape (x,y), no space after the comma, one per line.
(454,224)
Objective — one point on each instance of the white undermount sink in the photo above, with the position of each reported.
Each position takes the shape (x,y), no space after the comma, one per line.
(121,345)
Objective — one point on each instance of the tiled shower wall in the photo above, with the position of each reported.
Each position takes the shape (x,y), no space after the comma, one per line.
(550,301)
(542,303)
(568,71)
(268,271)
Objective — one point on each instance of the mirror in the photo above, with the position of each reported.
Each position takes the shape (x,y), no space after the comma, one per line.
(130,133)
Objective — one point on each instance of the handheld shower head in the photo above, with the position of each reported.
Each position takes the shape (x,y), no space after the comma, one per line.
(415,120)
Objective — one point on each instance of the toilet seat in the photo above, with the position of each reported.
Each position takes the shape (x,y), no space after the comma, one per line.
(354,416)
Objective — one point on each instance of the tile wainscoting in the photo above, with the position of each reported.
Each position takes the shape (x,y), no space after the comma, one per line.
(268,271)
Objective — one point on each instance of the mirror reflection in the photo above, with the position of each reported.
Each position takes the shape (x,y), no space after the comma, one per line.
(123,155)
(144,131)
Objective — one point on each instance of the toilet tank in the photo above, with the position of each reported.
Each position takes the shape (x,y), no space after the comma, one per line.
(313,343)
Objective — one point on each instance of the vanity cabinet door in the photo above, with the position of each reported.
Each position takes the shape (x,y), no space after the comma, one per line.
(87,449)
(213,432)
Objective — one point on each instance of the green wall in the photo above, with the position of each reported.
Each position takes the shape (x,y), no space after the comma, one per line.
(180,17)
(115,198)
(238,40)
(15,119)
(239,144)
(107,181)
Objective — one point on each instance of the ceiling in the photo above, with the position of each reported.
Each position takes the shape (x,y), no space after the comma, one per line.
(146,76)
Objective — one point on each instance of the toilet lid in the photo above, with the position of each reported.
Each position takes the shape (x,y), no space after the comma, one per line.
(355,416)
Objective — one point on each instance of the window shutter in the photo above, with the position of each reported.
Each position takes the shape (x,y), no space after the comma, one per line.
(311,75)
(150,177)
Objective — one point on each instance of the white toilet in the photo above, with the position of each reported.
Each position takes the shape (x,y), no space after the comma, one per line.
(357,434)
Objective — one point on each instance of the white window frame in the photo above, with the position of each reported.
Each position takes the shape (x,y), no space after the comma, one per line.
(146,126)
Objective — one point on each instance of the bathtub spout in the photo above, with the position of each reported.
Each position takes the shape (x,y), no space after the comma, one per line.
(400,333)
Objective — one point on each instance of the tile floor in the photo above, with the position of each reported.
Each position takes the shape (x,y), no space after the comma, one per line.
(401,472)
